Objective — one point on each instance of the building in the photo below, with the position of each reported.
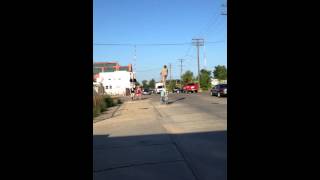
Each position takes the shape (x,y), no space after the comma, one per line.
(116,79)
(99,67)
(217,81)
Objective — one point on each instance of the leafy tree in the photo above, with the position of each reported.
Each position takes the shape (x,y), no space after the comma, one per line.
(145,84)
(172,85)
(187,77)
(152,83)
(220,72)
(205,79)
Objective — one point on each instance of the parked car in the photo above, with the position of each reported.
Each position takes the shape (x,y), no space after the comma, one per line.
(177,90)
(219,90)
(159,87)
(146,92)
(152,91)
(191,87)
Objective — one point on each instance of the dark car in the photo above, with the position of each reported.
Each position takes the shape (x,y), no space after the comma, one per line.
(146,92)
(152,91)
(219,90)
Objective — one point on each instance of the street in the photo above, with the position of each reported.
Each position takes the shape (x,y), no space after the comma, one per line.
(185,139)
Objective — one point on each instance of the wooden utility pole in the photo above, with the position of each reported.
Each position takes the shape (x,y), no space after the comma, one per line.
(198,42)
(170,71)
(181,60)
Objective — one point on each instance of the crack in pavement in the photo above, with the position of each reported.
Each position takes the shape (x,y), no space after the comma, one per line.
(175,143)
(124,146)
(134,165)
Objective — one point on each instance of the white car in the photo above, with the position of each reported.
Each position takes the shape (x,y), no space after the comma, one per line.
(146,92)
(159,87)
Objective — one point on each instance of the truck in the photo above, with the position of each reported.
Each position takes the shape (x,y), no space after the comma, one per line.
(159,87)
(191,87)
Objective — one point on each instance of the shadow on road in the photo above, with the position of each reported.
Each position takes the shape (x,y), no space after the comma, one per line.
(170,102)
(187,156)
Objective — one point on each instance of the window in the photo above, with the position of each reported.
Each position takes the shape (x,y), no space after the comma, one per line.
(110,87)
(106,87)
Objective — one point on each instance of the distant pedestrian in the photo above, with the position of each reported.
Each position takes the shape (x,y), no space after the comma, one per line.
(132,93)
(139,92)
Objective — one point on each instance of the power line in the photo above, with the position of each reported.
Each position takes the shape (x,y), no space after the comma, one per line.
(152,44)
(147,70)
(148,44)
(210,24)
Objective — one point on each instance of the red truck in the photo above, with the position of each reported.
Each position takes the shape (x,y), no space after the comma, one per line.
(191,87)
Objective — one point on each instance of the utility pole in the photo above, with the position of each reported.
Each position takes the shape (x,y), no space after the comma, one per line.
(198,42)
(224,11)
(133,67)
(170,72)
(134,57)
(181,60)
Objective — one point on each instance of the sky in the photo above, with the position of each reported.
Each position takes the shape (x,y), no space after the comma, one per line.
(144,22)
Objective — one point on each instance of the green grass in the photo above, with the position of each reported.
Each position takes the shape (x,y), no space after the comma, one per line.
(107,102)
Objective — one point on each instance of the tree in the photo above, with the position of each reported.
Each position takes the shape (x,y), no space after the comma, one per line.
(172,85)
(152,83)
(205,79)
(187,77)
(137,83)
(220,72)
(145,84)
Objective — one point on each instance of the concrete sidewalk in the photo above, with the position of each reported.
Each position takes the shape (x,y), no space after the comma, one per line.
(133,145)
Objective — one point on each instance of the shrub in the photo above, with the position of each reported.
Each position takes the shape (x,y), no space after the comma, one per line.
(96,111)
(109,101)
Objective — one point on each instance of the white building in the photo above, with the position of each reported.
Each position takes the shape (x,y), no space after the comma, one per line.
(214,82)
(117,82)
(217,81)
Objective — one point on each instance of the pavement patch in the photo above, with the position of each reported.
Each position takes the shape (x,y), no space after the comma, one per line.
(160,171)
(113,158)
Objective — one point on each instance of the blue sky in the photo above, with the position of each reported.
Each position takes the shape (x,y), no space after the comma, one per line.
(160,21)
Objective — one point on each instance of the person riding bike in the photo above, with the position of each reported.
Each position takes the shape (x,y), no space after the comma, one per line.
(164,96)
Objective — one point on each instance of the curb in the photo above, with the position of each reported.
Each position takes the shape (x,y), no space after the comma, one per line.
(112,115)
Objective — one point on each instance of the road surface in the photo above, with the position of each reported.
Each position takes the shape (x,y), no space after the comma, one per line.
(186,139)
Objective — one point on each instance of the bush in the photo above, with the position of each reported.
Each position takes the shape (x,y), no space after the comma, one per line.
(109,101)
(96,111)
(103,105)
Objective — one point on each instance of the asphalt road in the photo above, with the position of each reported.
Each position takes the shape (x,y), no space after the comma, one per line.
(200,102)
(186,139)
(198,126)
